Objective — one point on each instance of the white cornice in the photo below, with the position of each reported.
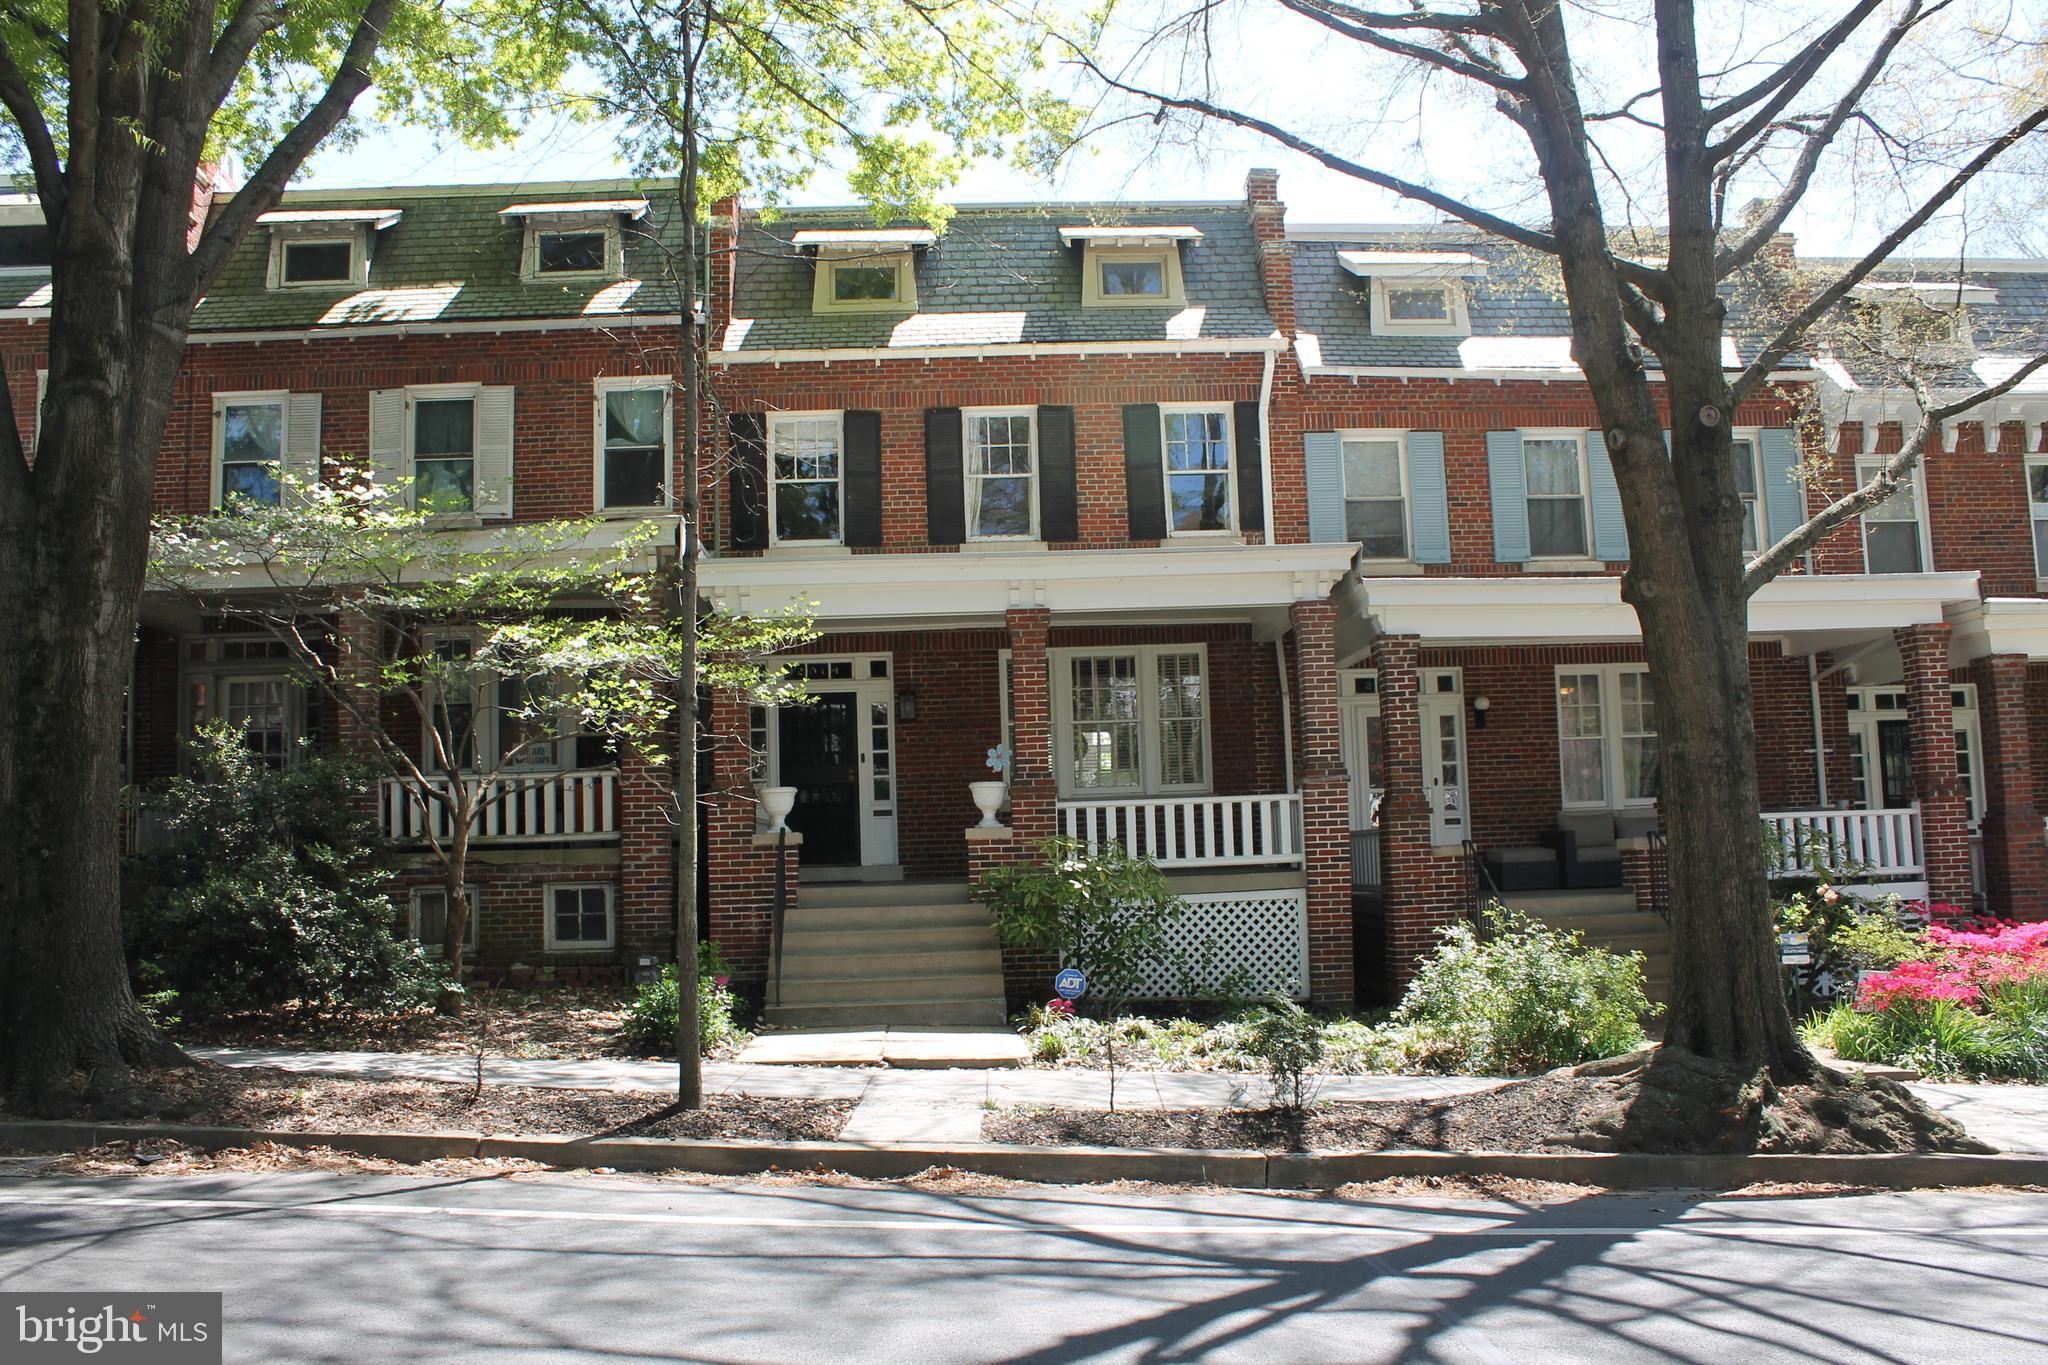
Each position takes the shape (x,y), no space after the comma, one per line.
(1001,350)
(2000,625)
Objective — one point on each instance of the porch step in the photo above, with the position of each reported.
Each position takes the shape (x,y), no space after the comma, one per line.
(892,954)
(1608,918)
(1593,900)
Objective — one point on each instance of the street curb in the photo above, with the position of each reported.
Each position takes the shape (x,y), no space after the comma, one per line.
(1084,1165)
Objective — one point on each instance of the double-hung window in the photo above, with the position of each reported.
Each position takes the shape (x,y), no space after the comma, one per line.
(804,461)
(579,917)
(633,444)
(1747,484)
(1375,496)
(1132,721)
(1606,736)
(2037,510)
(444,455)
(529,723)
(430,918)
(1555,473)
(453,702)
(1199,471)
(1000,463)
(257,708)
(1892,541)
(250,432)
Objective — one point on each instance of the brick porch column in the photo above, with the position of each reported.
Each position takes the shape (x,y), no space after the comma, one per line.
(741,910)
(358,652)
(1415,907)
(1325,803)
(1944,812)
(647,856)
(2015,856)
(1032,788)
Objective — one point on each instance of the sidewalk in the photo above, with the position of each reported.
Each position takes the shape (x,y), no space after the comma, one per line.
(941,1106)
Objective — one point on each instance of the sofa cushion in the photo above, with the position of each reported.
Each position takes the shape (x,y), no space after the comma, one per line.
(1593,828)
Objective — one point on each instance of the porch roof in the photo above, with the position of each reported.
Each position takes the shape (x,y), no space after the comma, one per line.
(1807,611)
(979,586)
(2000,625)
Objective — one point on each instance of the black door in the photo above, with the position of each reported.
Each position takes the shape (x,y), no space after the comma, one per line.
(1895,763)
(821,759)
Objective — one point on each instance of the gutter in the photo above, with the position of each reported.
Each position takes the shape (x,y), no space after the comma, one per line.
(1266,437)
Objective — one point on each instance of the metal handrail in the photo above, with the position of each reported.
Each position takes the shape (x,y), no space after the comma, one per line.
(781,905)
(1476,875)
(1660,888)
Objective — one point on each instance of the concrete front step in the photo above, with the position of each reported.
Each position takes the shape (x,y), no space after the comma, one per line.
(973,960)
(1609,925)
(888,895)
(913,1012)
(798,941)
(858,990)
(805,917)
(1547,905)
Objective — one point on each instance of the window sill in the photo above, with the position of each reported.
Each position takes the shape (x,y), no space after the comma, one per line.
(1199,538)
(633,513)
(1571,565)
(1003,545)
(804,549)
(1389,568)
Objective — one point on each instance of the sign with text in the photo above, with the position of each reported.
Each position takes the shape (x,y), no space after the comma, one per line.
(1070,983)
(162,1329)
(1794,950)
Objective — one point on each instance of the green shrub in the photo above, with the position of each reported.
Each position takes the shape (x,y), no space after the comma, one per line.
(1946,1039)
(1289,1040)
(1526,999)
(1103,910)
(267,888)
(650,1027)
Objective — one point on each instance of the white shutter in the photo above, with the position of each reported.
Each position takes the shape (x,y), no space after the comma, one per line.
(302,439)
(494,452)
(388,465)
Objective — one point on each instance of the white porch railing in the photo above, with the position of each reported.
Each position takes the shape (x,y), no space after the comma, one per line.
(1192,831)
(535,808)
(1887,841)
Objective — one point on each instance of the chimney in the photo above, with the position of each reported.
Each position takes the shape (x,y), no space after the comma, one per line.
(724,243)
(203,186)
(1276,260)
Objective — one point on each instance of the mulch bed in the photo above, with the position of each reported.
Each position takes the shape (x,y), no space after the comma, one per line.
(1559,1112)
(559,1022)
(259,1097)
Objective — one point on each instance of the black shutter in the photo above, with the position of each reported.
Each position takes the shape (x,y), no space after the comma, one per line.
(945,496)
(863,511)
(1144,482)
(747,485)
(1059,517)
(1251,470)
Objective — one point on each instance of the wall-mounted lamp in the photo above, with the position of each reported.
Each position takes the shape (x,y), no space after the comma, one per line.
(1479,708)
(906,704)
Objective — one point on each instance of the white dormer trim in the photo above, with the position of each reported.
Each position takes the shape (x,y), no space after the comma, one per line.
(355,235)
(864,239)
(540,226)
(1121,251)
(1414,264)
(1457,318)
(1940,294)
(1127,235)
(831,259)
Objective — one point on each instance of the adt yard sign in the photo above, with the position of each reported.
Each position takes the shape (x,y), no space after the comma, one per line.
(1070,983)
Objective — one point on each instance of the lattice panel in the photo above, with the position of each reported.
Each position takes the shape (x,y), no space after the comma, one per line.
(1263,933)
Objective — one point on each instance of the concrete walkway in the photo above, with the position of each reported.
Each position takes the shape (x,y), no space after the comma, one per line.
(922,1048)
(898,1105)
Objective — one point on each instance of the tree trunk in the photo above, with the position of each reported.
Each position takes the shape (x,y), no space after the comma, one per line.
(72,558)
(455,866)
(689,377)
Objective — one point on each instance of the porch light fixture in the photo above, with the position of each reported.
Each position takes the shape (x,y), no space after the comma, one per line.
(1479,709)
(906,704)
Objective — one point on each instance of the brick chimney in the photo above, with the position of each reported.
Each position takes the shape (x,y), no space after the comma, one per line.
(203,186)
(725,233)
(1276,261)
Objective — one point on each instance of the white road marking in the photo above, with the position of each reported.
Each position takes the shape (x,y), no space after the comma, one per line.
(1235,1227)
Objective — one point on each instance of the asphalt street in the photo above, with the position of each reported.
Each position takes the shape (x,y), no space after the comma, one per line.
(358,1268)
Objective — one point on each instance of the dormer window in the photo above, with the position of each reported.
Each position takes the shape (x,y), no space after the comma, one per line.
(864,270)
(1130,267)
(323,248)
(24,246)
(1924,319)
(571,242)
(1416,293)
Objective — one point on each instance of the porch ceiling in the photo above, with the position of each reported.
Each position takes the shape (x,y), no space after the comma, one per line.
(1236,582)
(1808,611)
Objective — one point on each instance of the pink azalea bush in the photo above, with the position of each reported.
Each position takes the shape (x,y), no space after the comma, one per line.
(1965,964)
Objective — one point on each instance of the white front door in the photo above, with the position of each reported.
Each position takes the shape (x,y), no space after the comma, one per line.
(1443,755)
(1360,723)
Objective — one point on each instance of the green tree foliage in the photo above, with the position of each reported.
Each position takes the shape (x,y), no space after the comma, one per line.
(267,889)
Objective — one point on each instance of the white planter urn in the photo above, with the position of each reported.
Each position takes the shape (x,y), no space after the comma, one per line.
(776,804)
(989,797)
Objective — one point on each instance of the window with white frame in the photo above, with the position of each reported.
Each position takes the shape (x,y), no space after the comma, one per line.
(579,917)
(1132,720)
(862,281)
(453,702)
(1554,471)
(1000,463)
(575,251)
(321,255)
(319,261)
(1893,538)
(444,454)
(1375,495)
(1131,277)
(2037,510)
(529,722)
(632,445)
(1419,307)
(805,466)
(572,246)
(249,437)
(257,708)
(430,918)
(1606,736)
(1748,482)
(1199,471)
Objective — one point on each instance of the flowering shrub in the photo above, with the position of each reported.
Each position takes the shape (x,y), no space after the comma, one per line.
(1963,966)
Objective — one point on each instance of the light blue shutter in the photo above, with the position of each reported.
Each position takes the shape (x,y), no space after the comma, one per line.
(302,441)
(389,412)
(1323,466)
(1610,531)
(1428,501)
(1784,500)
(1510,496)
(494,452)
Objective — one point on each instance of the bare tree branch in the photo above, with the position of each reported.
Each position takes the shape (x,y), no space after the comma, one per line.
(1783,85)
(1363,27)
